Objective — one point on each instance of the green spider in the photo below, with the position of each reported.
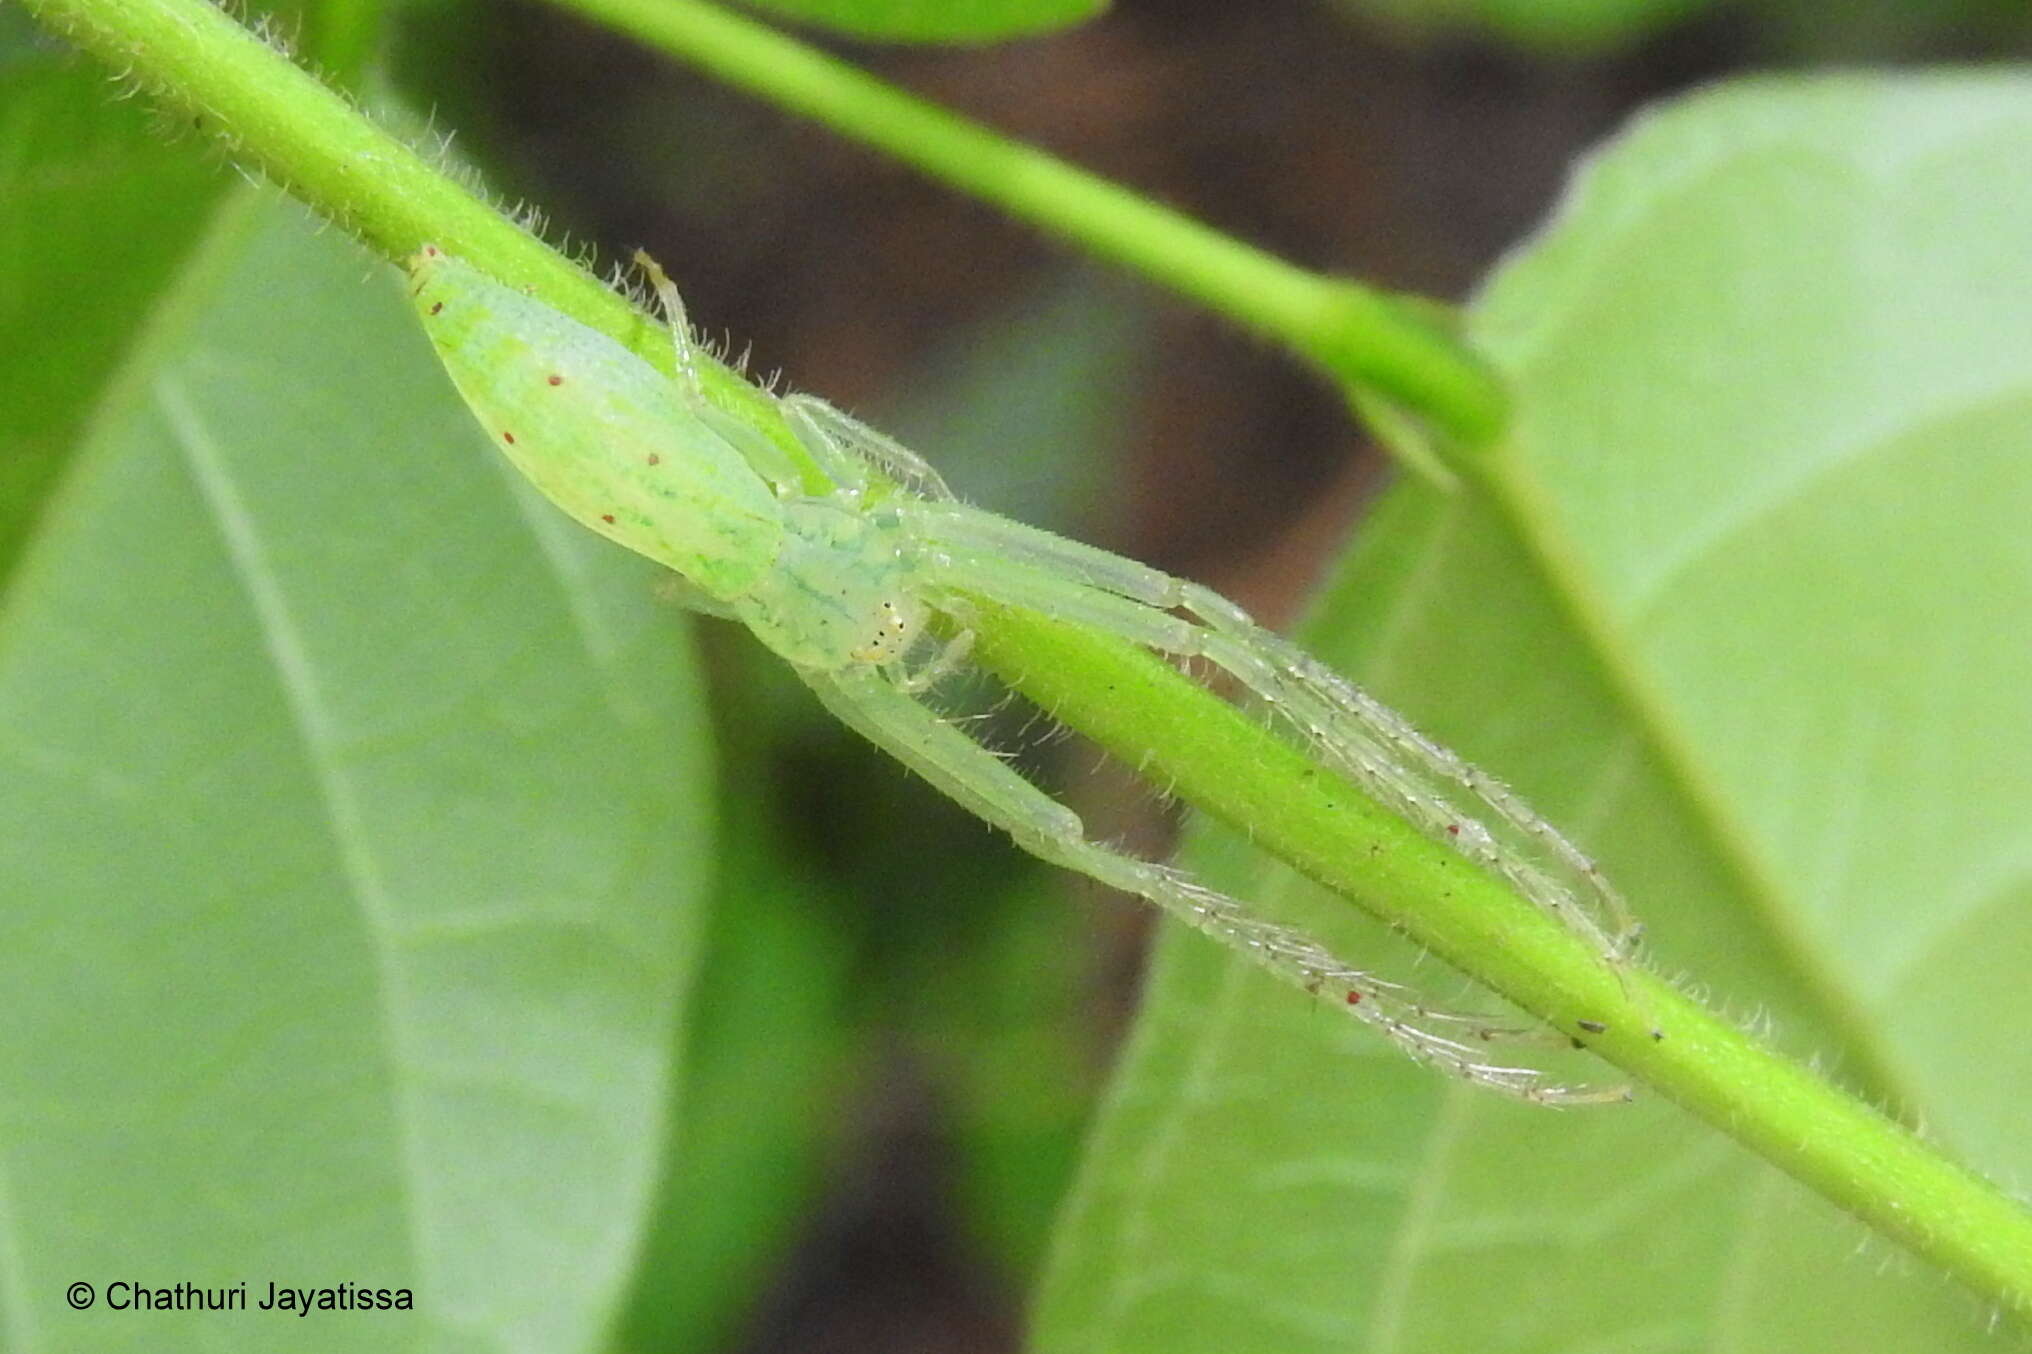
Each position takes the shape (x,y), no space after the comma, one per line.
(845,585)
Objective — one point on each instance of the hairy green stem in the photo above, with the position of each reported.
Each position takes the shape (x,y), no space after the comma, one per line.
(1364,338)
(1225,763)
(1217,758)
(1521,504)
(278,118)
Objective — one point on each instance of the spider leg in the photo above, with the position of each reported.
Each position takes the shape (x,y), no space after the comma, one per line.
(839,464)
(1449,800)
(678,590)
(674,316)
(944,663)
(768,459)
(833,436)
(772,462)
(1549,869)
(866,701)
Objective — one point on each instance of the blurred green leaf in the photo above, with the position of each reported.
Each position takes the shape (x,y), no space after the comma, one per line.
(1824,32)
(1028,409)
(763,1083)
(1774,367)
(1008,1024)
(355,824)
(936,20)
(95,213)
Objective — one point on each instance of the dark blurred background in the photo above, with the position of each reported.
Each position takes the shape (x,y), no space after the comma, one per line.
(919,1149)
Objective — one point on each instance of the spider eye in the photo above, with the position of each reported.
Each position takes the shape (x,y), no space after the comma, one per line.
(890,635)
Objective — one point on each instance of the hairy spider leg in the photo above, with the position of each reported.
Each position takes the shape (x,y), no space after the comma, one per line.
(975,551)
(832,435)
(772,462)
(843,446)
(676,589)
(1575,874)
(1119,595)
(674,316)
(865,700)
(951,656)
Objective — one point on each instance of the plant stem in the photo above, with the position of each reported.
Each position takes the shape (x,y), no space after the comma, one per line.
(1151,716)
(1224,763)
(1364,338)
(276,117)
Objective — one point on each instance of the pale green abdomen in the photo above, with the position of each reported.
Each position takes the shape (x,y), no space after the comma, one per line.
(604,435)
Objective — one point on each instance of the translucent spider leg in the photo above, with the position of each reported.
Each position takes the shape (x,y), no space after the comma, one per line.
(843,446)
(674,316)
(948,660)
(769,460)
(1561,879)
(1450,801)
(1356,734)
(833,436)
(971,774)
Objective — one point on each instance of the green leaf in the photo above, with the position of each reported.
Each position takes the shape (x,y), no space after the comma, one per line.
(936,20)
(354,828)
(763,1086)
(1042,374)
(71,297)
(1008,1028)
(1746,616)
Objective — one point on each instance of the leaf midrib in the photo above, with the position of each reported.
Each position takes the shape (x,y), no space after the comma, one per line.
(1523,507)
(295,671)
